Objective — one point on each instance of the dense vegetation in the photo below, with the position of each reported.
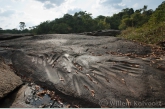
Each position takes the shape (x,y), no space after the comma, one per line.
(143,25)
(152,31)
(83,22)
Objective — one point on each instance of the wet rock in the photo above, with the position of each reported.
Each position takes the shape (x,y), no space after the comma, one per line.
(8,79)
(25,98)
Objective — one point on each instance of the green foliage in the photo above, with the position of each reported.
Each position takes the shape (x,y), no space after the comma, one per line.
(79,22)
(151,26)
(102,23)
(62,28)
(159,15)
(126,22)
(136,19)
(43,28)
(13,31)
(116,20)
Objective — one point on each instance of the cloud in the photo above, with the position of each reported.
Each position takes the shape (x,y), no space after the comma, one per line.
(7,13)
(135,6)
(72,11)
(17,0)
(117,4)
(51,3)
(109,2)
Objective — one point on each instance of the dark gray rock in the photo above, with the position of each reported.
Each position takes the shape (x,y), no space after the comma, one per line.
(13,36)
(102,70)
(109,32)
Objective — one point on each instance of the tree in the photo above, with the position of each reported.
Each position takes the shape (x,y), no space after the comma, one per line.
(128,11)
(144,8)
(82,22)
(102,22)
(1,30)
(126,22)
(22,25)
(61,28)
(44,27)
(159,15)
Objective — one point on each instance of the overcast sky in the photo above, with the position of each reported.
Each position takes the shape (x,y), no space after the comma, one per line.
(32,12)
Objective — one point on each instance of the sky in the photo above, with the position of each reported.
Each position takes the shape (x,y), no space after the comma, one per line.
(33,12)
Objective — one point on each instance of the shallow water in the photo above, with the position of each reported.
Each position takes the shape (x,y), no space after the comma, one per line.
(28,97)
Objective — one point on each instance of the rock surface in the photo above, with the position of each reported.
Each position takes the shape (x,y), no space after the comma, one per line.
(102,33)
(17,98)
(95,69)
(8,79)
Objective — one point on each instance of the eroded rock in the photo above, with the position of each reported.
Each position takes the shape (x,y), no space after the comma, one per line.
(96,69)
(8,79)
